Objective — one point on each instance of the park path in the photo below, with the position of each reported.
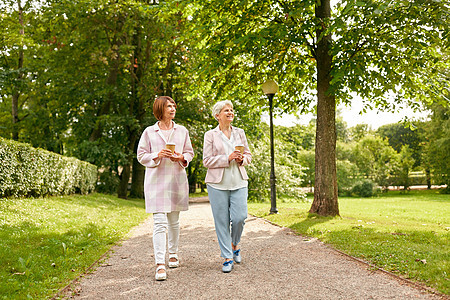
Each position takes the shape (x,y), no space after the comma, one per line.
(277,264)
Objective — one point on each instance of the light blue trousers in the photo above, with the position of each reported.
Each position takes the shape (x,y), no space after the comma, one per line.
(228,207)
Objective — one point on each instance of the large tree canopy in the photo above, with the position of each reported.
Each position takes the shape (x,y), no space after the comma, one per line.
(378,50)
(88,76)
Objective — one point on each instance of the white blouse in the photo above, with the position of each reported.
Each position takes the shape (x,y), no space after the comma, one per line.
(167,134)
(232,178)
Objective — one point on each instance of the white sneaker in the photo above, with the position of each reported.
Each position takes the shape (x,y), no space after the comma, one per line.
(161,276)
(173,264)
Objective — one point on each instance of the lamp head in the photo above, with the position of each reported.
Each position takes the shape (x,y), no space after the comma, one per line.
(270,87)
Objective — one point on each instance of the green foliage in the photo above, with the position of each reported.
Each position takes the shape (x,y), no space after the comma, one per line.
(367,155)
(388,47)
(45,243)
(393,231)
(380,48)
(302,137)
(374,157)
(374,49)
(306,158)
(27,171)
(399,134)
(107,183)
(359,131)
(299,143)
(259,172)
(405,164)
(347,175)
(342,132)
(437,145)
(288,171)
(93,69)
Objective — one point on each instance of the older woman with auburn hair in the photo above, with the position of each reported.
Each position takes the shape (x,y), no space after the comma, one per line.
(165,185)
(225,153)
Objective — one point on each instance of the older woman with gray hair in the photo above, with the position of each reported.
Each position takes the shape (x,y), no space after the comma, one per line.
(225,153)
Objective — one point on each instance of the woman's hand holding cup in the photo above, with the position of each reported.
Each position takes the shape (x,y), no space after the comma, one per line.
(239,148)
(236,155)
(168,151)
(177,157)
(165,153)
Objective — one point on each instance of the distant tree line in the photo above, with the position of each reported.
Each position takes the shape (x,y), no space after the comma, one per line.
(397,154)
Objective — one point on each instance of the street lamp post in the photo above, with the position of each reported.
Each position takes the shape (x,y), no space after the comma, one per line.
(270,88)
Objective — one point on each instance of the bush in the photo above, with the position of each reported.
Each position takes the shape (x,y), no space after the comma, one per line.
(445,190)
(27,171)
(364,189)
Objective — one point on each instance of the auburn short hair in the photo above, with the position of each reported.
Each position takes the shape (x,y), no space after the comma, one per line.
(159,105)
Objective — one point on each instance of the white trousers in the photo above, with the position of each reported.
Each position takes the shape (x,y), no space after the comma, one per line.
(165,224)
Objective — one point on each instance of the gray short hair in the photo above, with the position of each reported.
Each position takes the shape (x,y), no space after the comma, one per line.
(219,106)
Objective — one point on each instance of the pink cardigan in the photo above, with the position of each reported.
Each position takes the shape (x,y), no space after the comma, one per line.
(165,186)
(215,158)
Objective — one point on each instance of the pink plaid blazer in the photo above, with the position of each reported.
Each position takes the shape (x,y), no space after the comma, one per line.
(166,186)
(215,158)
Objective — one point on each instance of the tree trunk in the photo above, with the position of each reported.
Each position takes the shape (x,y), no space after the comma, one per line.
(192,178)
(137,180)
(138,110)
(137,176)
(428,176)
(16,93)
(15,116)
(325,189)
(122,191)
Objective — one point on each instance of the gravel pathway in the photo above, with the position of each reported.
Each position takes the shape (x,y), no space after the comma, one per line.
(276,264)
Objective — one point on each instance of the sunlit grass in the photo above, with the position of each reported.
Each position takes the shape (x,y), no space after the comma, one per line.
(407,234)
(47,242)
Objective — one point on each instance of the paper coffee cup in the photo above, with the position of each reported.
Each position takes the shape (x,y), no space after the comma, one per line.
(171,147)
(240,148)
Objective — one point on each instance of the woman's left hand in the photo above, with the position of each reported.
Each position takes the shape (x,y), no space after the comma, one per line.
(177,157)
(237,156)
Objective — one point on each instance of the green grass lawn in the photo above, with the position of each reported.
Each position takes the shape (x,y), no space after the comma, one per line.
(407,234)
(47,242)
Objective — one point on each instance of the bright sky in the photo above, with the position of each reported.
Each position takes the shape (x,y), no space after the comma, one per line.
(352,117)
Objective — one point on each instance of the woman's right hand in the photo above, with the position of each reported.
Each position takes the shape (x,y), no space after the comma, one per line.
(165,153)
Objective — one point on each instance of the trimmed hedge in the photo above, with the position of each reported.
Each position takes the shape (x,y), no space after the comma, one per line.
(30,172)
